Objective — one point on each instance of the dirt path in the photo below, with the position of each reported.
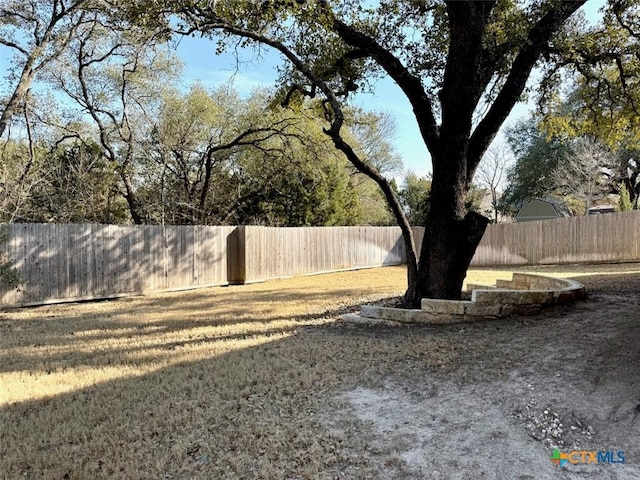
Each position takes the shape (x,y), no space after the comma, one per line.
(519,388)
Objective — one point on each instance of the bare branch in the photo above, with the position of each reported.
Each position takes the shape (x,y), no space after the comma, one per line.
(410,84)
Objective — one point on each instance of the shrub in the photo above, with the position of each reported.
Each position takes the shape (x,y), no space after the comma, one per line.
(9,276)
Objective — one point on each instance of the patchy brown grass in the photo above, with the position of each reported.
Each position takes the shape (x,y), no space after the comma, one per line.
(220,383)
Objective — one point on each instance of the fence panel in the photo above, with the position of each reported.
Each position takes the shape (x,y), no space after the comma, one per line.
(269,252)
(611,237)
(67,262)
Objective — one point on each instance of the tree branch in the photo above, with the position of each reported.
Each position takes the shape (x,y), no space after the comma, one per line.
(410,84)
(336,119)
(523,64)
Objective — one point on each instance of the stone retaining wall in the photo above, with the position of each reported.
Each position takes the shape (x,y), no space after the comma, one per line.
(524,294)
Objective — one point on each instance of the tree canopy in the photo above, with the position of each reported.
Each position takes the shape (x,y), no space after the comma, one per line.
(111,136)
(536,158)
(199,157)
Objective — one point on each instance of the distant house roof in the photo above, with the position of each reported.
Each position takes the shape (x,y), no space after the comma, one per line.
(537,210)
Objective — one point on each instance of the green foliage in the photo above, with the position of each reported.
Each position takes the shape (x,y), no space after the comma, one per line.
(536,158)
(67,183)
(598,96)
(212,157)
(575,171)
(9,276)
(128,144)
(624,203)
(17,171)
(198,157)
(610,119)
(475,195)
(603,67)
(373,207)
(322,195)
(414,195)
(81,187)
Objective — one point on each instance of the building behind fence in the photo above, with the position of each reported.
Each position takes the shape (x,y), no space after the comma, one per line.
(60,262)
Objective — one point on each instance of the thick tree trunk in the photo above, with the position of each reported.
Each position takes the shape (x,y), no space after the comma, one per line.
(451,232)
(447,249)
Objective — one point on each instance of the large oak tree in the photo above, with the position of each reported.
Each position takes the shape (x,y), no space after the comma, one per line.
(462,65)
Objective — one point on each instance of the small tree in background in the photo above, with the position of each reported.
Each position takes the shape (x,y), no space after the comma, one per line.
(491,174)
(536,157)
(624,203)
(414,196)
(585,173)
(9,276)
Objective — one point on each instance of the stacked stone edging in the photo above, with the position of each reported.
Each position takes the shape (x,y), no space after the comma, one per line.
(524,294)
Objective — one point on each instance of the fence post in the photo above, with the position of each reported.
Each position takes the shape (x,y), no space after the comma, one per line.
(237,256)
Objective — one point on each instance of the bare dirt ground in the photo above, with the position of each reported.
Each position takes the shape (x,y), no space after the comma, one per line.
(517,389)
(265,381)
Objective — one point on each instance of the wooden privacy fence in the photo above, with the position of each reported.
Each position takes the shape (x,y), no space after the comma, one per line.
(262,253)
(66,262)
(611,237)
(74,262)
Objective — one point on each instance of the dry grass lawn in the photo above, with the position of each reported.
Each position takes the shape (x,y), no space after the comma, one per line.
(227,382)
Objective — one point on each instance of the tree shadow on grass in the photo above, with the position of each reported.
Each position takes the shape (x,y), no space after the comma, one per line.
(257,407)
(128,328)
(253,411)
